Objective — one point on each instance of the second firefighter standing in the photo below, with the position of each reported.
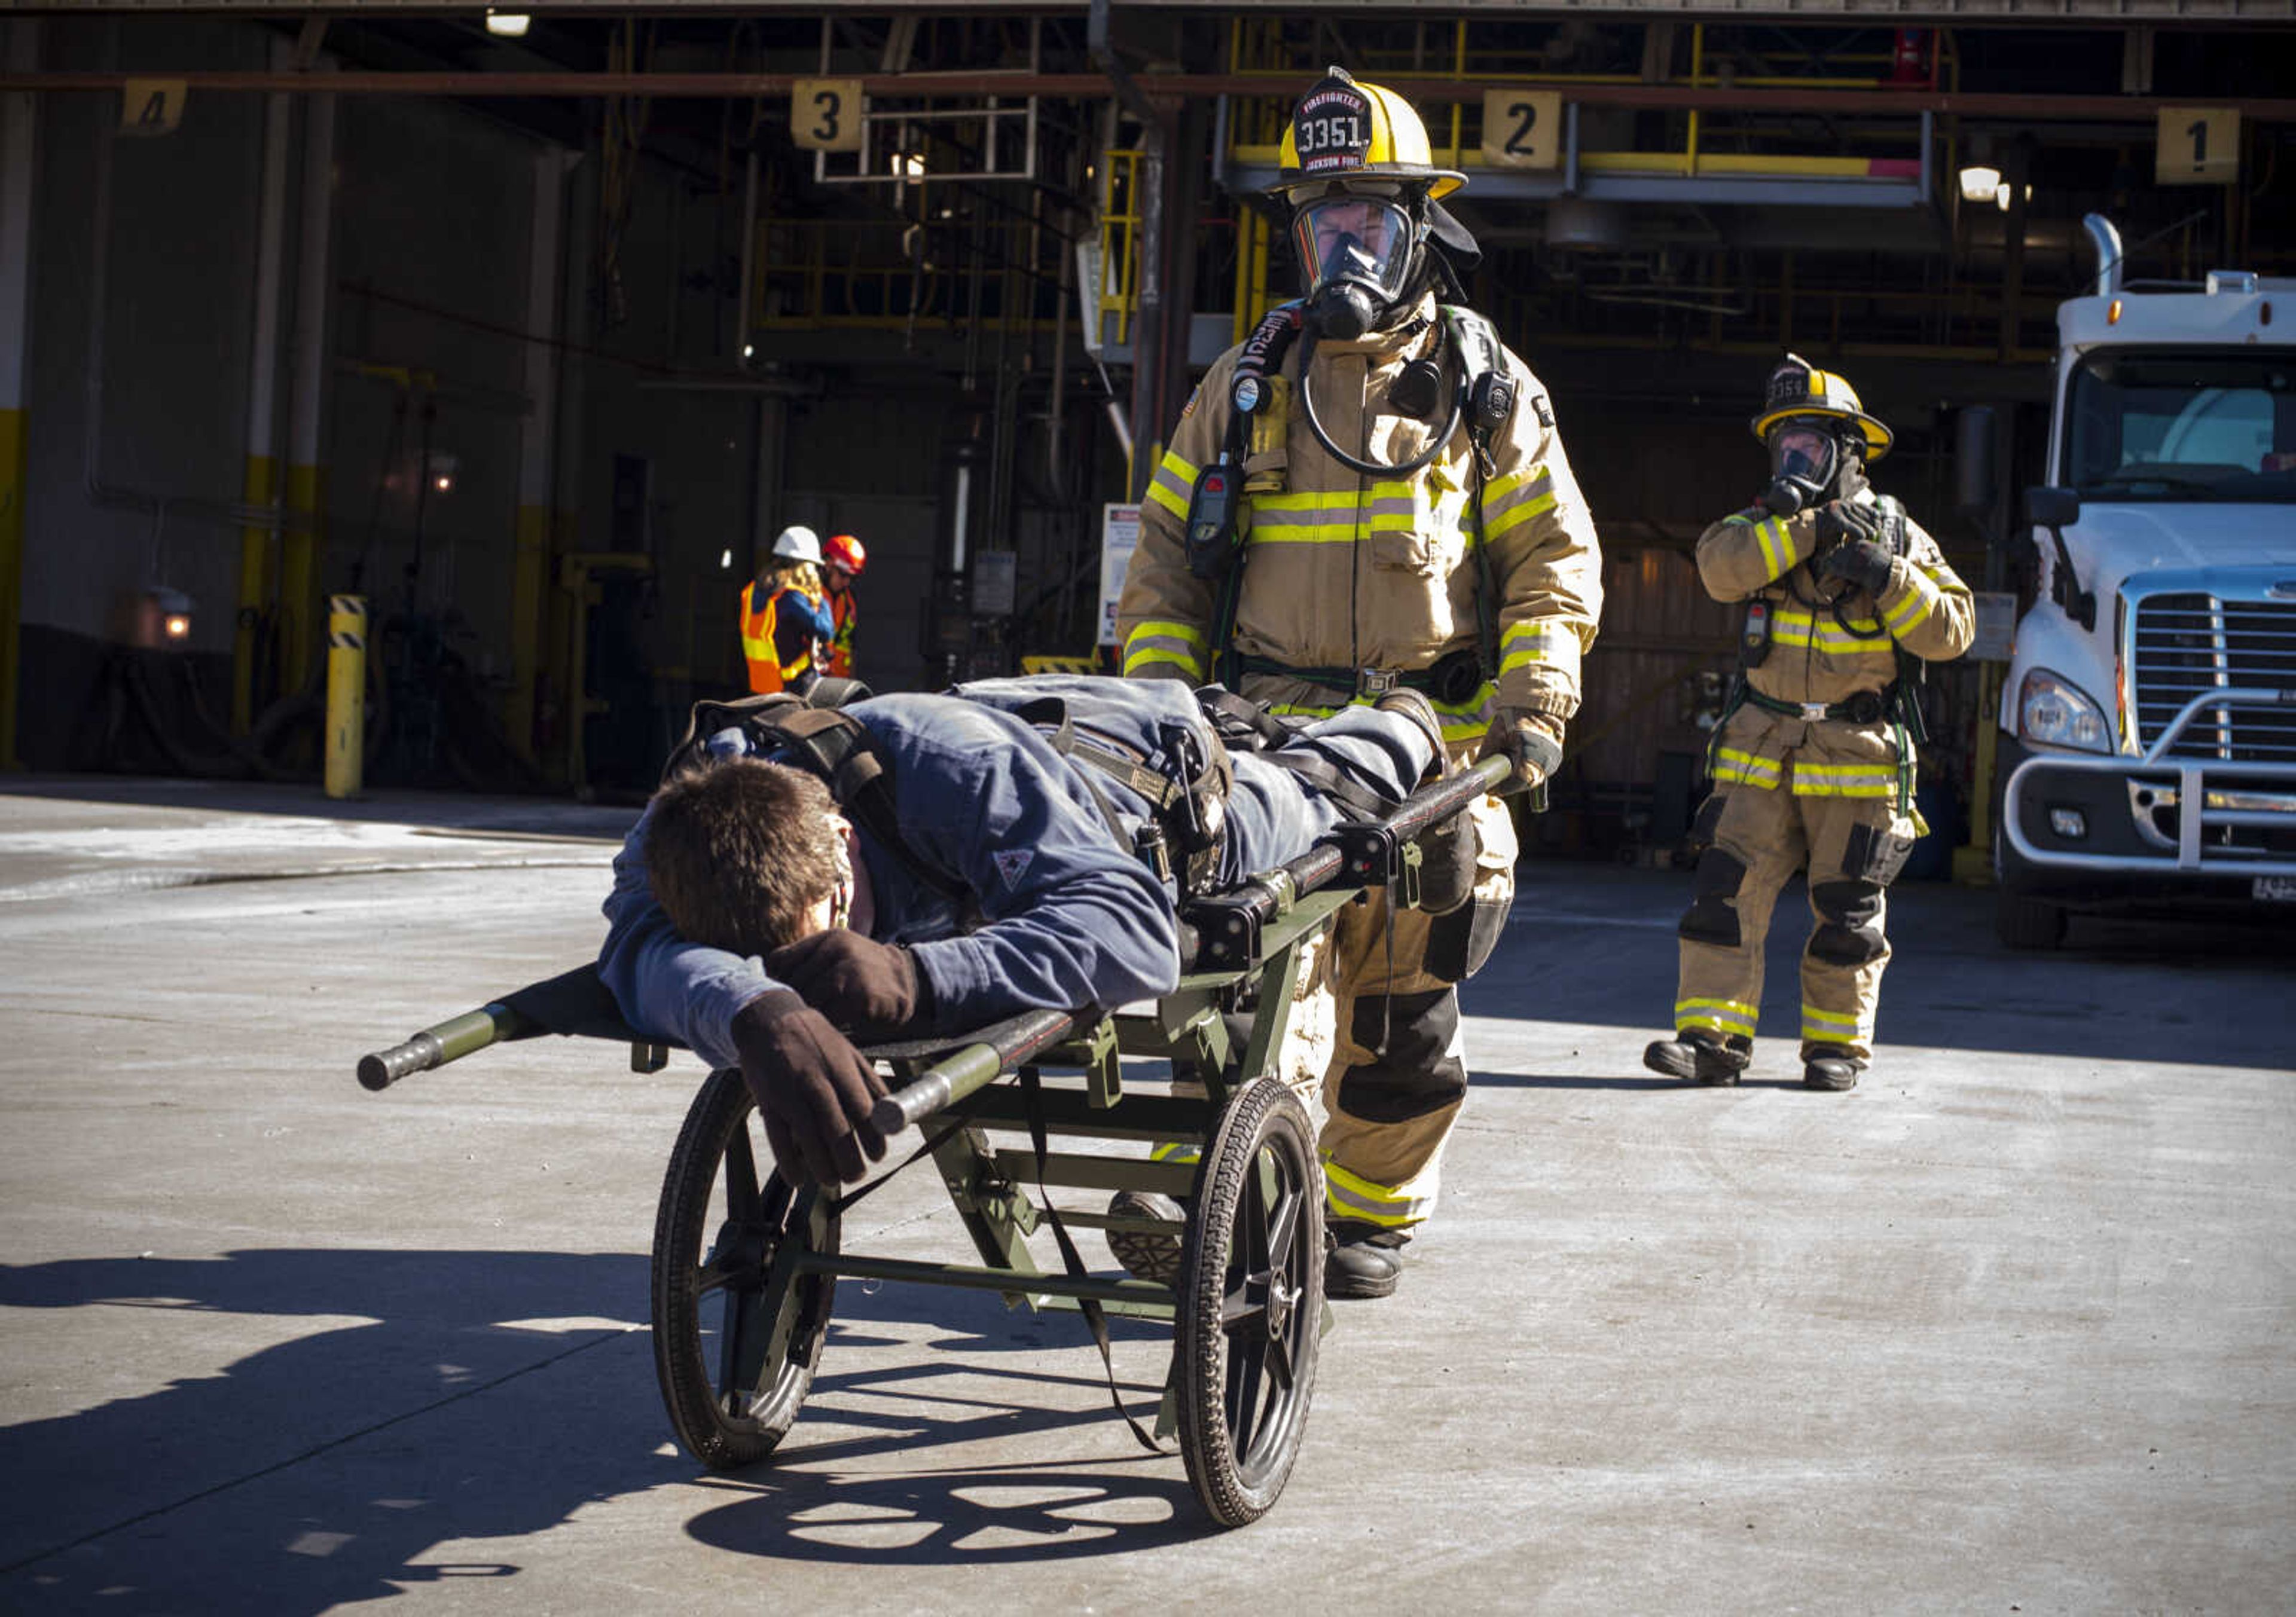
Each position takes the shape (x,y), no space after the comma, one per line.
(1369,496)
(1845,598)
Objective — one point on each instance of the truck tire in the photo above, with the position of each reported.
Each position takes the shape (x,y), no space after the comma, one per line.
(2027,923)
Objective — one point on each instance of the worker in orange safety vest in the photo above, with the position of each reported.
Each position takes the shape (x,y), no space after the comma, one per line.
(785,616)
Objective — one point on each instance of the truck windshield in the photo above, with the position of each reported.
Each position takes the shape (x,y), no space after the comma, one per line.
(2193,424)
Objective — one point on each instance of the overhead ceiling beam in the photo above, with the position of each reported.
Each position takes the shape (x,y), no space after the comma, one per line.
(1092,86)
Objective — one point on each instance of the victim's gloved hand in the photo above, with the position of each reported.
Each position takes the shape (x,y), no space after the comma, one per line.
(1532,741)
(871,989)
(1862,561)
(1846,520)
(812,1090)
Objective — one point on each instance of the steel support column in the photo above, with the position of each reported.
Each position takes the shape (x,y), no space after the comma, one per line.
(19,127)
(302,537)
(259,483)
(537,472)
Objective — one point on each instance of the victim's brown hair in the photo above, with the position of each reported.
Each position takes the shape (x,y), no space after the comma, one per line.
(736,852)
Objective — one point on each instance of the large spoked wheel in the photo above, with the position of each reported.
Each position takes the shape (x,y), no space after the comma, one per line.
(725,1240)
(1251,1297)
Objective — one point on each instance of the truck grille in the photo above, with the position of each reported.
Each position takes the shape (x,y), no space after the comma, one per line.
(2185,644)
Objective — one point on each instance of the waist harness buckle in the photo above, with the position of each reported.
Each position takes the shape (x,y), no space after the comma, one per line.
(1813,712)
(1377,682)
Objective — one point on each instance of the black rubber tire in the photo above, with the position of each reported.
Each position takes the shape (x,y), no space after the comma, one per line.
(731,1417)
(2027,923)
(1250,1303)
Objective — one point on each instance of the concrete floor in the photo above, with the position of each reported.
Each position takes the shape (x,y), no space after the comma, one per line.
(2007,1328)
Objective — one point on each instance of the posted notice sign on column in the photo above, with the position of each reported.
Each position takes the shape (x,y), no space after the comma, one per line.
(2197,146)
(1120,531)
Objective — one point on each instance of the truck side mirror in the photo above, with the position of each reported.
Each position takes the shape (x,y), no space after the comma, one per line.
(1974,481)
(2052,507)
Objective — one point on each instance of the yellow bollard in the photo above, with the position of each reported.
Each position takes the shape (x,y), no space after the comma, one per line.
(346,694)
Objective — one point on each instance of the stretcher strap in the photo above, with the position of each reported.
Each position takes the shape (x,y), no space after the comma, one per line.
(1032,1100)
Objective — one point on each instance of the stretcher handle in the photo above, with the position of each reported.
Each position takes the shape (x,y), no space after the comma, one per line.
(448,1041)
(954,1077)
(1439,800)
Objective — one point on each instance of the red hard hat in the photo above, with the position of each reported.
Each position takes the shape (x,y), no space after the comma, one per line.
(844,551)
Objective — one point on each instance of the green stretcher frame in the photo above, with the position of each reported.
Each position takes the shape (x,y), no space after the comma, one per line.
(1249,949)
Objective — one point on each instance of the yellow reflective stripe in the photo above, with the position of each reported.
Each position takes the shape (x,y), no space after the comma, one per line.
(1750,768)
(1723,1016)
(1333,517)
(1777,554)
(1515,517)
(1813,1016)
(1527,487)
(1795,627)
(1461,721)
(1173,482)
(1847,771)
(1135,661)
(1352,1195)
(1914,607)
(1173,1151)
(1525,643)
(1167,629)
(1844,781)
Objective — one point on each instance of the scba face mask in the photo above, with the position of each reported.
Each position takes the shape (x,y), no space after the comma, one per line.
(1803,460)
(1356,253)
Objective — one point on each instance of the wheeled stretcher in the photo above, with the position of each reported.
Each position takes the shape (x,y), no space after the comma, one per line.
(745,1265)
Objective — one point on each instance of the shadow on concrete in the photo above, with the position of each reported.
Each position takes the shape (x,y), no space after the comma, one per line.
(551,818)
(1596,944)
(488,1396)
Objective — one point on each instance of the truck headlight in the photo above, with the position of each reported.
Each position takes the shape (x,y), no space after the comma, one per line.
(2054,712)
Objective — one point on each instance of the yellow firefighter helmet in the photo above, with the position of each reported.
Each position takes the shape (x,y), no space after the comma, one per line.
(1348,132)
(1799,389)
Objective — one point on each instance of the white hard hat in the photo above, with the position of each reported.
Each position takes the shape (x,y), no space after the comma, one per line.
(799,545)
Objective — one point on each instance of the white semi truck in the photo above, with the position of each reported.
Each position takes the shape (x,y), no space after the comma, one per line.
(2147,753)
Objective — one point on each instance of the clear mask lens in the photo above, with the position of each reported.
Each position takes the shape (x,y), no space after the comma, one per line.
(1361,239)
(1801,452)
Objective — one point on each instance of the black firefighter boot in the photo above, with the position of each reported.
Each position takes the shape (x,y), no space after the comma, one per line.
(1363,1259)
(1830,1066)
(1700,1055)
(1447,852)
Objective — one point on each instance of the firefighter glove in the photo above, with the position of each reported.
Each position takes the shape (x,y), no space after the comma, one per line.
(1845,521)
(812,1090)
(870,990)
(1861,561)
(1532,741)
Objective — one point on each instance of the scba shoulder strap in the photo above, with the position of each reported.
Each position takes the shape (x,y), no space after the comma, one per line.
(1213,533)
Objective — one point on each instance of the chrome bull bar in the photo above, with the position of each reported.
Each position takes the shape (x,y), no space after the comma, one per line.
(2240,796)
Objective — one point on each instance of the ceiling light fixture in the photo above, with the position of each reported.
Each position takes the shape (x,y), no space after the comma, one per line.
(508,25)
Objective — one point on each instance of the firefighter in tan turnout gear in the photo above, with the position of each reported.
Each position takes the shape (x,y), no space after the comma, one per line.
(1846,596)
(1367,499)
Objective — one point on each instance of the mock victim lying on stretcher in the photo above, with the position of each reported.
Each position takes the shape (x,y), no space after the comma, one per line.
(752,922)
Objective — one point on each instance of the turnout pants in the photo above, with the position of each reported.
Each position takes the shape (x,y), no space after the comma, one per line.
(1398,1073)
(1853,847)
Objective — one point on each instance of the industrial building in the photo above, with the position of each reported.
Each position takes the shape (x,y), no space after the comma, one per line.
(532,330)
